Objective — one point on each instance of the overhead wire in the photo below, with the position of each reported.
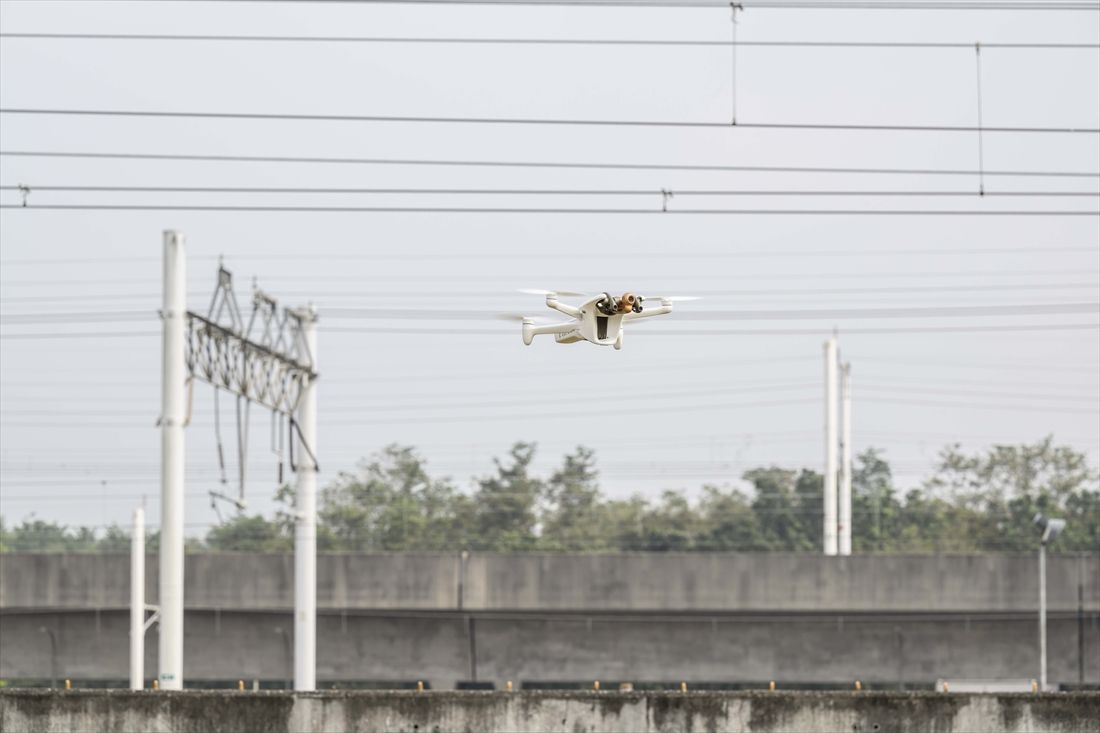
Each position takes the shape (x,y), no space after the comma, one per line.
(656,42)
(680,333)
(649,192)
(786,293)
(999,5)
(328,278)
(543,164)
(473,120)
(547,210)
(708,314)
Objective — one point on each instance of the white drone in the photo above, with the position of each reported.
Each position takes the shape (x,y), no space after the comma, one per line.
(598,320)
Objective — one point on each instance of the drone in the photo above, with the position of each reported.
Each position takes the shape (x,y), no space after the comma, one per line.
(598,320)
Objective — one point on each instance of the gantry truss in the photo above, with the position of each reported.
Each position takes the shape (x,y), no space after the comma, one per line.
(267,362)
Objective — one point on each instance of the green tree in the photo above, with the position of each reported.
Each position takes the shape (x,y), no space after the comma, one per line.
(573,518)
(784,509)
(392,504)
(875,506)
(246,533)
(505,505)
(996,493)
(727,522)
(669,526)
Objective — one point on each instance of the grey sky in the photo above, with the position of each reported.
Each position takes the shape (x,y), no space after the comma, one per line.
(914,392)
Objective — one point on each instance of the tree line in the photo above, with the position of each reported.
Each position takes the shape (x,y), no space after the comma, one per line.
(977,502)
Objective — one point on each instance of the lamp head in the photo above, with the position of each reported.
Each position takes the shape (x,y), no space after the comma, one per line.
(1049,527)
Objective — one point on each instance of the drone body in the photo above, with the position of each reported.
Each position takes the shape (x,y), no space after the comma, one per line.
(598,320)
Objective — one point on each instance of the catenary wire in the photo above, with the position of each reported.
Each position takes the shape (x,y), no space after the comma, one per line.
(687,42)
(546,210)
(543,164)
(650,192)
(708,314)
(696,332)
(428,119)
(1000,5)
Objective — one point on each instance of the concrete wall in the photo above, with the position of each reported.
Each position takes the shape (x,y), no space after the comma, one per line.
(192,712)
(550,618)
(444,649)
(631,581)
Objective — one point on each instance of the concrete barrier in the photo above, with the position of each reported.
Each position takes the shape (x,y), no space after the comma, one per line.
(122,711)
(667,582)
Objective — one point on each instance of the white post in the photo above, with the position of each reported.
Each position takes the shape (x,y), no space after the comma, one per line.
(1043,617)
(844,522)
(830,524)
(137,601)
(173,385)
(305,528)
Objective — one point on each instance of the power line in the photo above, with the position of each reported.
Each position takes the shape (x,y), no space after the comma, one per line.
(542,164)
(512,278)
(710,314)
(497,256)
(1001,5)
(703,314)
(459,294)
(544,210)
(308,117)
(650,192)
(697,333)
(222,38)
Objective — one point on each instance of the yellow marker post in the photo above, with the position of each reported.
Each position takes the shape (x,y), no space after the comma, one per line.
(771,686)
(240,685)
(946,687)
(156,684)
(859,686)
(683,687)
(508,685)
(1034,686)
(420,685)
(68,684)
(596,685)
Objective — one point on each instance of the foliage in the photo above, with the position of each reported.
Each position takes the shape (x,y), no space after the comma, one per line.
(980,502)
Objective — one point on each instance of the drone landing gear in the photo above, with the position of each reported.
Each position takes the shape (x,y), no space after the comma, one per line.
(530,330)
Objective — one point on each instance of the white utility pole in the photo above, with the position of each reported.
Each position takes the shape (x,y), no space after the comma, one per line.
(844,522)
(1043,616)
(137,601)
(830,523)
(173,384)
(305,528)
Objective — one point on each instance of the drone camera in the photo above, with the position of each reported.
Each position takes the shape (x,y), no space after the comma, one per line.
(607,305)
(627,303)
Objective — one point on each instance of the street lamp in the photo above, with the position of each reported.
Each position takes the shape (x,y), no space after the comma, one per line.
(53,652)
(1050,529)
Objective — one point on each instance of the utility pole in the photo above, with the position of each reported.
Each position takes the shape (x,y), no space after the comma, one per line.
(137,601)
(830,519)
(269,362)
(845,515)
(173,382)
(305,528)
(1043,616)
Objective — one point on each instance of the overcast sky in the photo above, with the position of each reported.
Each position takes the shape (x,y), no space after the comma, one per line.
(672,410)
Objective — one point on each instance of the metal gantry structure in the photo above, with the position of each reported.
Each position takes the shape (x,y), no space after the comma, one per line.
(271,361)
(837,495)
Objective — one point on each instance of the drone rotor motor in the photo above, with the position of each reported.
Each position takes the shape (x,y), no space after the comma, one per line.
(607,305)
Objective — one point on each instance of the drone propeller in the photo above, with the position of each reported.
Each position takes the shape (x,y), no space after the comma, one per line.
(673,298)
(520,317)
(567,293)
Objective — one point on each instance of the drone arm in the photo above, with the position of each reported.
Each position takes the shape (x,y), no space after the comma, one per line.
(530,330)
(649,312)
(568,310)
